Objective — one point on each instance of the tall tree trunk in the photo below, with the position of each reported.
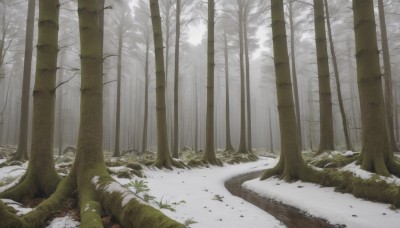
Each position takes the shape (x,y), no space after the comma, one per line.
(41,176)
(196,128)
(352,94)
(146,101)
(294,73)
(387,75)
(248,95)
(242,144)
(228,142)
(291,165)
(325,95)
(163,156)
(310,115)
(209,155)
(376,154)
(22,152)
(271,139)
(119,78)
(60,107)
(337,79)
(175,147)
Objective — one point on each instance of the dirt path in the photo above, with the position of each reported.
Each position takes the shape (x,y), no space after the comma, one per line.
(288,215)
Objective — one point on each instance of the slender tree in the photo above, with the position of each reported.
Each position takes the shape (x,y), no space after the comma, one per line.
(388,82)
(209,155)
(376,154)
(242,144)
(291,165)
(163,156)
(22,152)
(294,71)
(325,95)
(337,79)
(175,147)
(228,143)
(146,99)
(117,152)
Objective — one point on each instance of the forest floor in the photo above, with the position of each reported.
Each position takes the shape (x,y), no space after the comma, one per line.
(197,197)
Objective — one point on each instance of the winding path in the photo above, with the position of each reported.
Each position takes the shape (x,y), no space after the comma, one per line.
(288,215)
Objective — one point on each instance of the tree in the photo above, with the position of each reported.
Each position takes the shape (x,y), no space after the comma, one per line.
(41,176)
(163,156)
(337,79)
(228,143)
(294,72)
(376,154)
(121,31)
(325,95)
(175,146)
(242,144)
(387,75)
(22,151)
(209,155)
(291,165)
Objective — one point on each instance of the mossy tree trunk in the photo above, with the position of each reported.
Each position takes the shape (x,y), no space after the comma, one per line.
(242,144)
(228,142)
(388,76)
(325,95)
(209,155)
(271,139)
(41,176)
(291,165)
(22,151)
(294,73)
(376,154)
(175,146)
(337,79)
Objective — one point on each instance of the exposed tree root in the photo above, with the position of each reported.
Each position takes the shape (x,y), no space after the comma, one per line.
(382,164)
(100,192)
(33,184)
(212,160)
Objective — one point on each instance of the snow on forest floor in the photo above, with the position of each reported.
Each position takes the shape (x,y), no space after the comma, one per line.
(198,198)
(325,203)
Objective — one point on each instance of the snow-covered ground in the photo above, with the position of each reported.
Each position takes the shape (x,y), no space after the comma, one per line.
(200,189)
(335,207)
(198,197)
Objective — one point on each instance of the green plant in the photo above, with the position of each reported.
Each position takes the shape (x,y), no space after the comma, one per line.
(139,186)
(219,198)
(164,205)
(189,222)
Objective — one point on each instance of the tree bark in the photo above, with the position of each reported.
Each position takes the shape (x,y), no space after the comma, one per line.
(22,152)
(242,143)
(376,154)
(163,156)
(146,101)
(119,78)
(175,147)
(294,73)
(337,79)
(271,139)
(248,95)
(291,165)
(325,95)
(388,82)
(41,176)
(209,155)
(228,142)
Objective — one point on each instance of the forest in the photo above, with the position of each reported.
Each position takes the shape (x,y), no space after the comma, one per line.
(201,114)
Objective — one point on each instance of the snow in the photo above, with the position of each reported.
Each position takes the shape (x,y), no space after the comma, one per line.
(349,153)
(17,206)
(355,169)
(199,188)
(194,195)
(64,222)
(337,208)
